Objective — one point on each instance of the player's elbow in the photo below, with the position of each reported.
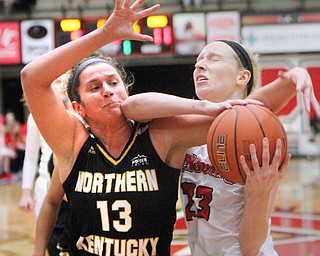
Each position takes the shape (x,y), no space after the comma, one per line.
(126,107)
(133,110)
(24,75)
(250,249)
(250,253)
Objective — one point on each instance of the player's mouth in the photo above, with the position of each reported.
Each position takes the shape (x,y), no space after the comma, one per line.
(201,79)
(112,104)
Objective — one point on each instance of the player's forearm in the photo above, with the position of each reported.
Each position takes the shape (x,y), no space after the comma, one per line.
(26,192)
(276,94)
(28,173)
(44,226)
(148,106)
(254,225)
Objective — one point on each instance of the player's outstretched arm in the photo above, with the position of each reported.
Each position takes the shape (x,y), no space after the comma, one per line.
(277,94)
(147,106)
(45,105)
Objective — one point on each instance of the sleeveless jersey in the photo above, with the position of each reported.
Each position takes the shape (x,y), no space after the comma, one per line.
(213,208)
(124,205)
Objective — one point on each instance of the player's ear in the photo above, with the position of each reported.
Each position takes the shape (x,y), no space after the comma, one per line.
(243,79)
(77,108)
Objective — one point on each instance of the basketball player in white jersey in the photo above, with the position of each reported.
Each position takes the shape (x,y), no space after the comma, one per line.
(225,218)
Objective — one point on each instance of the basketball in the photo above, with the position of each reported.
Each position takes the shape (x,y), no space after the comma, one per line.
(231,134)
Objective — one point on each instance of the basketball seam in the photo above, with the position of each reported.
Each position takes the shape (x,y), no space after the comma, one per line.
(285,149)
(257,119)
(235,145)
(213,162)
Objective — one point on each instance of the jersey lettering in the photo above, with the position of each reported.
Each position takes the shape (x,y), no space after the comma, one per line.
(199,198)
(103,246)
(130,181)
(123,207)
(192,163)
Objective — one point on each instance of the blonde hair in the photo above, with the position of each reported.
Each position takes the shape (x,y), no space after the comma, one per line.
(247,60)
(60,87)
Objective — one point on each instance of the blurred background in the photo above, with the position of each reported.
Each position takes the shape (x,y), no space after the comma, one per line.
(286,33)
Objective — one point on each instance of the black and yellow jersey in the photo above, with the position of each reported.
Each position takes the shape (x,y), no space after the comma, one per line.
(125,205)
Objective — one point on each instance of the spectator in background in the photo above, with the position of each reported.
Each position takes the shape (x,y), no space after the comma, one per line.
(4,164)
(20,133)
(10,134)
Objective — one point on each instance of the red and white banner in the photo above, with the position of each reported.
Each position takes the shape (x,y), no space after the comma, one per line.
(10,45)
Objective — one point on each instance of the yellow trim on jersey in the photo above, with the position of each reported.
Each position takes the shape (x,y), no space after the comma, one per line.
(110,158)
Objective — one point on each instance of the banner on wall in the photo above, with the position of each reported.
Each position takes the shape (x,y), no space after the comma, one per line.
(10,43)
(282,38)
(37,37)
(223,25)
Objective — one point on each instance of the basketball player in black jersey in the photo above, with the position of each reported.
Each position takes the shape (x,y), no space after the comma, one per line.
(120,177)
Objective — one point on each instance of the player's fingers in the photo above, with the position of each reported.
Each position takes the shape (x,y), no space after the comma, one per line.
(254,158)
(137,4)
(265,153)
(315,104)
(117,4)
(22,208)
(237,102)
(277,155)
(245,166)
(284,167)
(126,3)
(307,98)
(280,73)
(29,208)
(148,11)
(256,102)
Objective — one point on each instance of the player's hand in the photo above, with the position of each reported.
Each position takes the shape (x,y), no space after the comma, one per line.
(230,103)
(301,78)
(120,24)
(214,109)
(26,202)
(264,175)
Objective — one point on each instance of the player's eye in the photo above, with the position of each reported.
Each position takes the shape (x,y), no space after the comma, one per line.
(95,87)
(114,82)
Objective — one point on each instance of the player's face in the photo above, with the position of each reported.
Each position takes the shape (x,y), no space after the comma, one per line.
(216,72)
(101,91)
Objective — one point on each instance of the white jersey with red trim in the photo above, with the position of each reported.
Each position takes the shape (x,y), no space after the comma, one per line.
(213,208)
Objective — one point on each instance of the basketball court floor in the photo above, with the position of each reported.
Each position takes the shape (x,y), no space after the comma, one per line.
(295,220)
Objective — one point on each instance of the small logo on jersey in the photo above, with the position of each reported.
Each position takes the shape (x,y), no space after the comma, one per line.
(92,150)
(139,160)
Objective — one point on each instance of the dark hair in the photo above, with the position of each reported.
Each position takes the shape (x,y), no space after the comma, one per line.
(74,81)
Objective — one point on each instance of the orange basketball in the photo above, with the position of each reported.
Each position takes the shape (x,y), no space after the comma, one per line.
(234,130)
